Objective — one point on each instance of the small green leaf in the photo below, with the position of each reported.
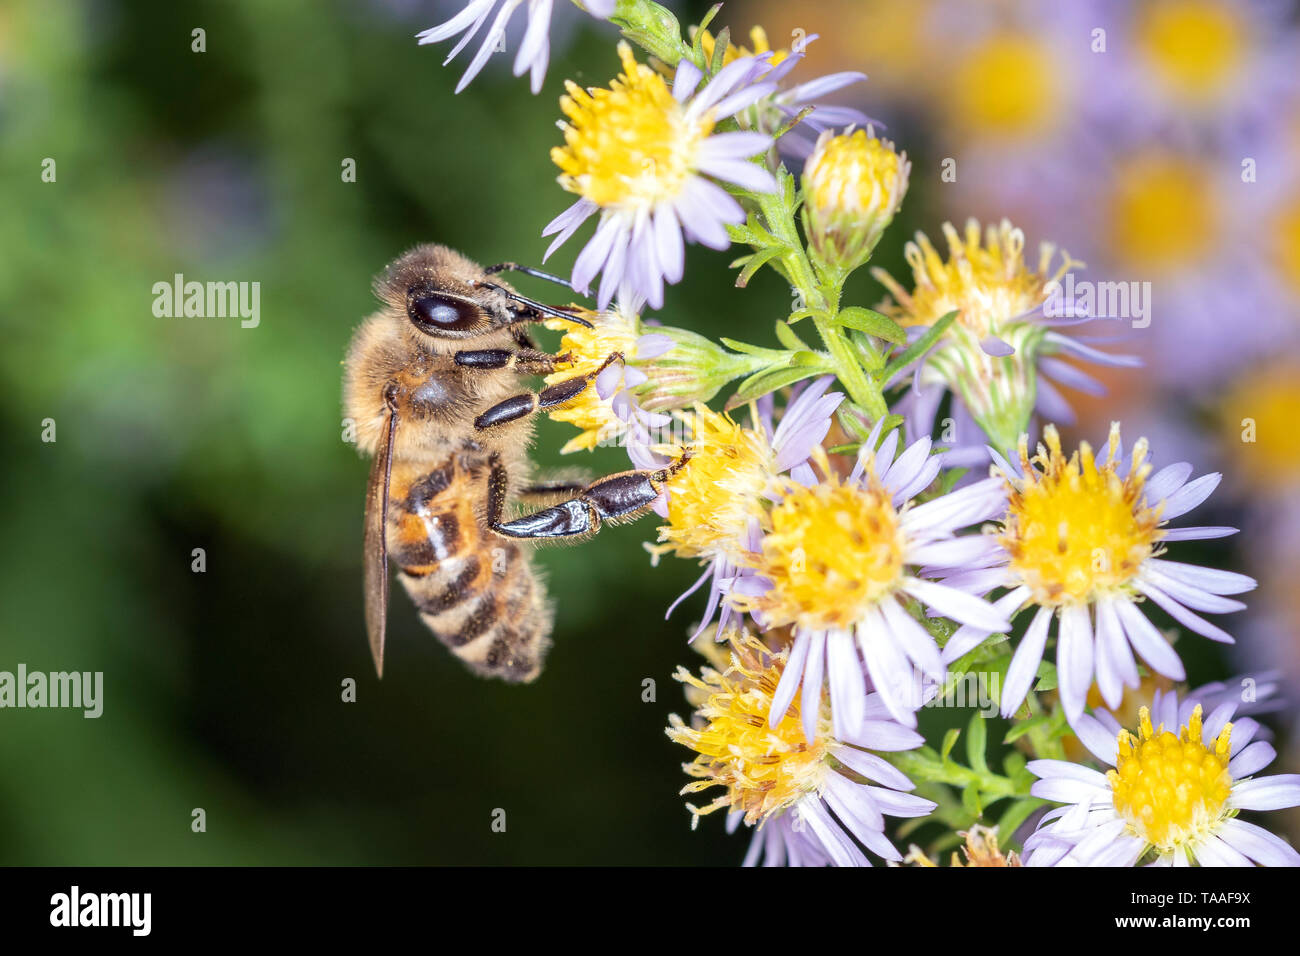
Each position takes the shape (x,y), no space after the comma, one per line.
(1015,815)
(872,323)
(1013,765)
(1046,676)
(792,122)
(769,380)
(852,423)
(753,233)
(917,348)
(949,741)
(720,45)
(704,25)
(976,741)
(776,355)
(1023,727)
(753,262)
(948,480)
(971,800)
(807,357)
(789,338)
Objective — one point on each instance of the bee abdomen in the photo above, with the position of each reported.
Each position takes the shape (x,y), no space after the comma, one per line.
(500,629)
(478,593)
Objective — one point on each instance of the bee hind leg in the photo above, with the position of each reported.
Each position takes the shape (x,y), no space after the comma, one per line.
(614,498)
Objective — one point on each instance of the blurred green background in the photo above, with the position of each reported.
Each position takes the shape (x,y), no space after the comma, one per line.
(223,688)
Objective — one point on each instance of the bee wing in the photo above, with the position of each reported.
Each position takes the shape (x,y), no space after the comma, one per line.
(376,543)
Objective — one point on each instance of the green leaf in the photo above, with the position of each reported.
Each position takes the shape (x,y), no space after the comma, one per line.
(1046,676)
(949,741)
(852,423)
(753,262)
(872,323)
(1015,815)
(917,348)
(971,801)
(776,355)
(793,121)
(976,741)
(720,44)
(753,233)
(808,357)
(1023,727)
(789,338)
(769,380)
(1013,765)
(948,480)
(703,25)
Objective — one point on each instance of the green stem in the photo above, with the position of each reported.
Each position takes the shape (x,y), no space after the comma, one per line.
(823,302)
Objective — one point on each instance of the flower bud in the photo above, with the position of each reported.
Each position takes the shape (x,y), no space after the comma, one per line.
(682,368)
(853,185)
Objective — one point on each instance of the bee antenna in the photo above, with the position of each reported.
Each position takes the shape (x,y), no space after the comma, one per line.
(534,305)
(528,271)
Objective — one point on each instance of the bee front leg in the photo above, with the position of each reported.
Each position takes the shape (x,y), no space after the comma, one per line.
(529,361)
(553,396)
(619,497)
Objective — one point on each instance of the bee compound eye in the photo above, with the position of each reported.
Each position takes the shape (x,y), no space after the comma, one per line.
(434,313)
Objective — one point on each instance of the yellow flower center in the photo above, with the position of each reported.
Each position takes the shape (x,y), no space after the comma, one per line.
(988,282)
(630,146)
(1076,530)
(1008,86)
(1194,45)
(765,770)
(1162,213)
(611,332)
(1171,789)
(833,552)
(1127,713)
(1287,242)
(1259,425)
(711,502)
(853,174)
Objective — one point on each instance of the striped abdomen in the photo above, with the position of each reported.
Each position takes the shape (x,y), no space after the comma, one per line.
(477,592)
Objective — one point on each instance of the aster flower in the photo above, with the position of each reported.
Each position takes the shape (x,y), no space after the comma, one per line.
(1081,540)
(1194,71)
(646,159)
(713,507)
(836,563)
(1249,694)
(610,410)
(1000,354)
(809,800)
(773,112)
(534,51)
(1172,796)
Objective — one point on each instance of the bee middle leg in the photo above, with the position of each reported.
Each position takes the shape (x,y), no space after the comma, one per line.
(528,403)
(613,498)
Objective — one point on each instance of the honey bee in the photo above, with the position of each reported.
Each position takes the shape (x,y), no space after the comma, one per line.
(432,382)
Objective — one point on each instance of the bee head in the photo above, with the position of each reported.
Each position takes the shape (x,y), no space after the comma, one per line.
(442,313)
